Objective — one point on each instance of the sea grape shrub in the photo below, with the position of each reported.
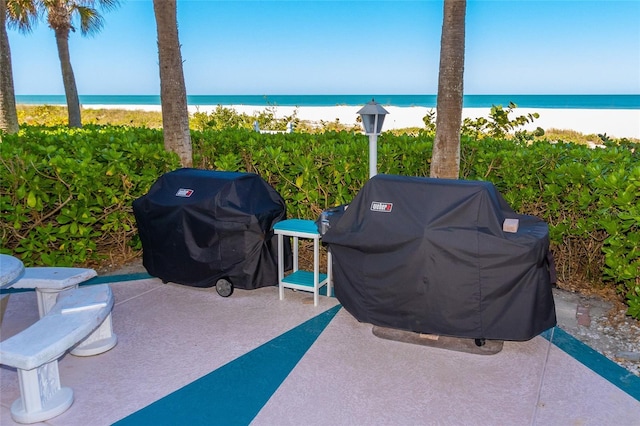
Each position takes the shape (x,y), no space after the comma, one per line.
(499,125)
(589,197)
(226,118)
(220,118)
(66,193)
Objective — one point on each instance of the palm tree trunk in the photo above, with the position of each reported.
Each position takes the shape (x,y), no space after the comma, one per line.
(8,113)
(173,92)
(445,160)
(69,80)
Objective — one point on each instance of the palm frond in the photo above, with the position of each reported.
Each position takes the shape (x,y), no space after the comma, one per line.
(91,21)
(24,15)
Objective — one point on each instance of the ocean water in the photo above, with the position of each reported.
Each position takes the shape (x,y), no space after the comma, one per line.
(470,101)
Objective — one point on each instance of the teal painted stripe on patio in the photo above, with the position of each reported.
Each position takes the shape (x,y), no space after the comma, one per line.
(15,290)
(105,279)
(600,364)
(236,392)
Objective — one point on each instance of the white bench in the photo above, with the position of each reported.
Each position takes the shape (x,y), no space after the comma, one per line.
(35,351)
(49,282)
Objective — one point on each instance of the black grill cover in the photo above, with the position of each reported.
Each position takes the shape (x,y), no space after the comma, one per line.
(430,256)
(197,226)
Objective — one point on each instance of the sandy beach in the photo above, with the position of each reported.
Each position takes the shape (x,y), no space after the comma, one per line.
(618,123)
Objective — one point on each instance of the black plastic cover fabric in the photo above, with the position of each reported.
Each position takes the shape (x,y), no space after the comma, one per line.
(430,256)
(197,226)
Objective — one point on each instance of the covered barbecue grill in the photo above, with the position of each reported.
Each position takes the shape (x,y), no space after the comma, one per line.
(203,228)
(432,256)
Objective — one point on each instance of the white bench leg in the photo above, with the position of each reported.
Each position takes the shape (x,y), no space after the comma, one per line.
(47,297)
(41,396)
(101,340)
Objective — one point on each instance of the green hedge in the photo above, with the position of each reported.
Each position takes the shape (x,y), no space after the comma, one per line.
(589,197)
(66,194)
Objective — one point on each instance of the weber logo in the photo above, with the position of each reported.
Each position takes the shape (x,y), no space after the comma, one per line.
(184,192)
(378,206)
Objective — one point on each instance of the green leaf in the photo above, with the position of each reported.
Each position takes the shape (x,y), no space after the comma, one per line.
(32,201)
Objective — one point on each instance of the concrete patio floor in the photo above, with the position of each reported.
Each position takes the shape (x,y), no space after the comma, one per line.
(188,356)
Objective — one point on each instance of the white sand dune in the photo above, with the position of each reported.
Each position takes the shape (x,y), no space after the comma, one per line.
(618,123)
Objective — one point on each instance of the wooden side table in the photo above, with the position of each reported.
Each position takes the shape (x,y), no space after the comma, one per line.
(301,279)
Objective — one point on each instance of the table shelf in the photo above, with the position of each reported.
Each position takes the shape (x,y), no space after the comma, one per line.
(301,279)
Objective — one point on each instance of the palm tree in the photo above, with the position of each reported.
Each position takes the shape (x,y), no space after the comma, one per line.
(24,14)
(8,113)
(173,92)
(445,160)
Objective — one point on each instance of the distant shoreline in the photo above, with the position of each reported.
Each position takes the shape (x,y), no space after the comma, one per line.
(616,115)
(617,123)
(583,101)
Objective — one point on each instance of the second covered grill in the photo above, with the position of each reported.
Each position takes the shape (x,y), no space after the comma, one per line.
(444,257)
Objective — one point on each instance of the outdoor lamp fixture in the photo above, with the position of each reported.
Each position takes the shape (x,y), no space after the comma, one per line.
(372,115)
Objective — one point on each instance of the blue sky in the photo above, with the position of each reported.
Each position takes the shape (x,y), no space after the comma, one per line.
(347,47)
